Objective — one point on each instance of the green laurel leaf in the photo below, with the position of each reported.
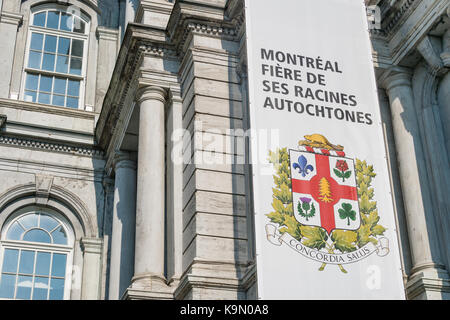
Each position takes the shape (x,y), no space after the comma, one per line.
(378,230)
(344,240)
(313,237)
(292,227)
(276,217)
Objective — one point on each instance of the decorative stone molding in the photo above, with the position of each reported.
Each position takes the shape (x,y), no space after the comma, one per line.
(3,119)
(151,93)
(154,13)
(124,160)
(108,185)
(51,146)
(91,245)
(391,24)
(427,51)
(59,199)
(104,33)
(43,186)
(11,18)
(396,78)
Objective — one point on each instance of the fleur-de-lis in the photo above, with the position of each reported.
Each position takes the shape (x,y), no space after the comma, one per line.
(303,167)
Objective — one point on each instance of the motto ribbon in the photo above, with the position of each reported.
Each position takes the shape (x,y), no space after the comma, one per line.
(274,237)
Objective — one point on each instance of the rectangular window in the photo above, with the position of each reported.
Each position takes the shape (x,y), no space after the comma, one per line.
(32,274)
(54,70)
(54,90)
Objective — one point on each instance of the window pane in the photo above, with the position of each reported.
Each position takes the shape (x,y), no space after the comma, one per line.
(30,96)
(36,235)
(79,25)
(59,235)
(47,222)
(73,88)
(40,288)
(34,60)
(64,45)
(10,258)
(31,220)
(46,85)
(7,284)
(75,66)
(36,41)
(50,43)
(14,232)
(77,48)
(43,263)
(62,64)
(72,103)
(44,98)
(66,22)
(58,87)
(48,63)
(26,264)
(56,289)
(24,284)
(59,265)
(58,101)
(39,19)
(32,82)
(52,19)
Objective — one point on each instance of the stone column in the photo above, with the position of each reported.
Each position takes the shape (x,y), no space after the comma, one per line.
(92,252)
(123,226)
(426,260)
(108,48)
(150,200)
(9,23)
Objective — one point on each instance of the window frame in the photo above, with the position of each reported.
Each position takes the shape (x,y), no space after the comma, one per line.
(20,245)
(58,33)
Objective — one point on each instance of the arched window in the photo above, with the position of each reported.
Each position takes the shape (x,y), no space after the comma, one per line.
(36,255)
(55,65)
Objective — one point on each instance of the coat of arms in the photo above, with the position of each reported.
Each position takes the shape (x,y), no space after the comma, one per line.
(323,202)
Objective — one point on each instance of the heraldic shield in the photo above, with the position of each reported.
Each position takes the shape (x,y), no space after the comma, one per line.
(324,190)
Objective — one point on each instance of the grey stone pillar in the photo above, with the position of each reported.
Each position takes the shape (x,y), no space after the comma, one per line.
(150,200)
(426,260)
(91,283)
(9,23)
(123,226)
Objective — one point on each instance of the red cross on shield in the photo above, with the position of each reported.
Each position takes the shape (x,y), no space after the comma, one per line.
(324,191)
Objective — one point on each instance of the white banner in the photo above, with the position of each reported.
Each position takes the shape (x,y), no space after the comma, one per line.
(324,219)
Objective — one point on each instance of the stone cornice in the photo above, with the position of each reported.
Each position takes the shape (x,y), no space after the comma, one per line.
(190,17)
(41,108)
(51,146)
(140,41)
(400,12)
(411,27)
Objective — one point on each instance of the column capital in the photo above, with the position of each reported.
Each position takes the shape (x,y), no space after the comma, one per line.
(397,78)
(123,160)
(108,184)
(11,18)
(92,245)
(151,93)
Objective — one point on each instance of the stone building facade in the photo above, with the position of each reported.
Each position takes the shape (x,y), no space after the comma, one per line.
(109,187)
